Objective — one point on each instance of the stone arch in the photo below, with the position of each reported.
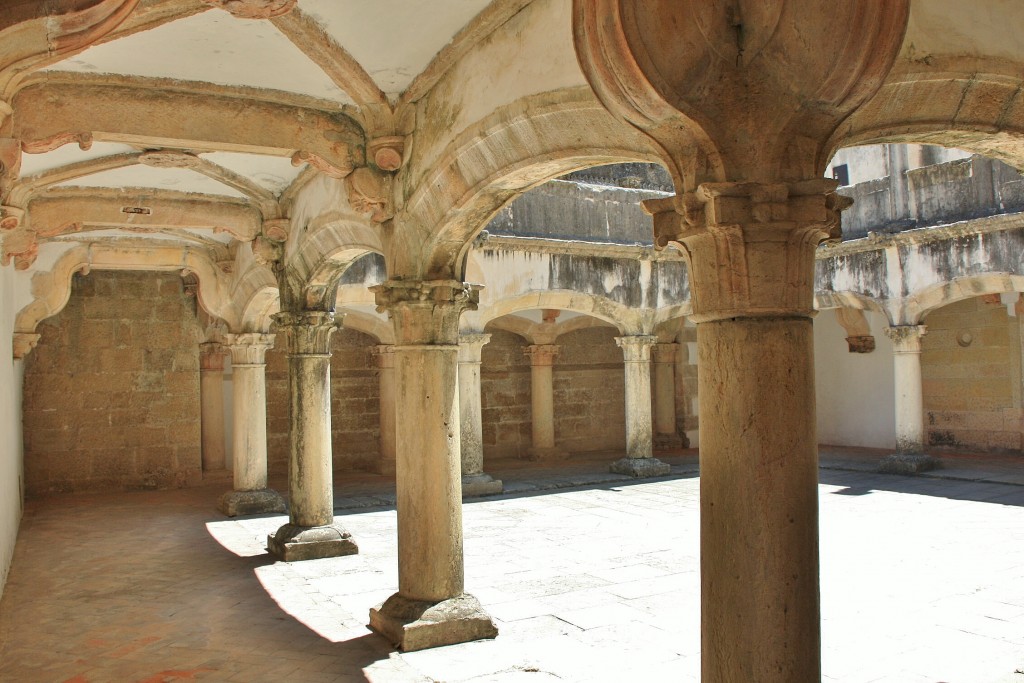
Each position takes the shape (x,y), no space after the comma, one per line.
(513,149)
(914,308)
(825,300)
(623,318)
(976,104)
(540,333)
(51,290)
(372,325)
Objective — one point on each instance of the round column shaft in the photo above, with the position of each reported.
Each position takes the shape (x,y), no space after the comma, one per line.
(639,460)
(542,410)
(909,457)
(664,357)
(388,428)
(474,480)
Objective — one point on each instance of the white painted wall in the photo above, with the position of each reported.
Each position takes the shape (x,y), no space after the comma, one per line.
(855,401)
(11,458)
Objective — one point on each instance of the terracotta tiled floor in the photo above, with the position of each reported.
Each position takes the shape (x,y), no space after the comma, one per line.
(922,580)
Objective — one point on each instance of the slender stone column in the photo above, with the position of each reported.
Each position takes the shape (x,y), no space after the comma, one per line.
(751,252)
(211,404)
(431,607)
(249,428)
(542,410)
(909,456)
(666,435)
(474,481)
(311,532)
(388,427)
(639,461)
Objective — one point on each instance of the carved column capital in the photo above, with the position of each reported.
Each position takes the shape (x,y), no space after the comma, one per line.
(906,338)
(636,348)
(249,348)
(665,352)
(307,333)
(211,356)
(542,354)
(384,354)
(426,311)
(24,342)
(750,245)
(471,346)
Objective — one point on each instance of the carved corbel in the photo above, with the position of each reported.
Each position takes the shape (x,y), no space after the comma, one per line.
(369,191)
(254,9)
(334,169)
(277,229)
(267,251)
(75,30)
(22,247)
(387,152)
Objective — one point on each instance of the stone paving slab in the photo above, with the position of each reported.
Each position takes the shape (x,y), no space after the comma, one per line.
(922,580)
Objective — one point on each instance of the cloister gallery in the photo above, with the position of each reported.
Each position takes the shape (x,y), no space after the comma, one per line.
(316,236)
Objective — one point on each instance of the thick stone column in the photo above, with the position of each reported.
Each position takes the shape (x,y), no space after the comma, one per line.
(249,428)
(311,531)
(639,461)
(474,481)
(909,457)
(751,250)
(431,607)
(211,405)
(542,409)
(666,436)
(385,357)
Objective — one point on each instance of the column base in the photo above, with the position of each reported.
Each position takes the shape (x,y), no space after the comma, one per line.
(480,485)
(668,442)
(640,467)
(293,543)
(552,453)
(417,624)
(262,501)
(907,463)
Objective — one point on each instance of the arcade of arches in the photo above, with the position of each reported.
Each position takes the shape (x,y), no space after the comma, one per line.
(530,228)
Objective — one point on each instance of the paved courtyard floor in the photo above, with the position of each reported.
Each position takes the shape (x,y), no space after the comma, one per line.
(922,581)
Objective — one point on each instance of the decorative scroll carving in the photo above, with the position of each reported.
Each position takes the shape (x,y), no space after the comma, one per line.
(166,158)
(387,152)
(321,164)
(368,192)
(254,9)
(10,217)
(750,245)
(49,144)
(24,342)
(277,229)
(75,30)
(22,247)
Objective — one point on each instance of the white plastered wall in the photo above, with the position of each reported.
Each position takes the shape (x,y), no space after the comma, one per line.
(855,398)
(11,454)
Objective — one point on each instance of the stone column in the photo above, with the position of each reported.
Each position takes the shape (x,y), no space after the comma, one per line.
(311,531)
(665,435)
(211,404)
(474,481)
(249,428)
(542,410)
(431,607)
(639,461)
(388,428)
(751,250)
(909,456)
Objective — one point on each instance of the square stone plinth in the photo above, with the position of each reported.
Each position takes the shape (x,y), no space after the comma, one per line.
(417,625)
(907,463)
(293,543)
(641,467)
(264,501)
(480,485)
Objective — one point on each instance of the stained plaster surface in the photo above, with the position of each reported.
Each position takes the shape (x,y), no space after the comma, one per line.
(593,582)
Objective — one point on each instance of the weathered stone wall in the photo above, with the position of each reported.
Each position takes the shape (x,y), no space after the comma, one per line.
(355,403)
(111,392)
(970,364)
(11,474)
(505,396)
(590,388)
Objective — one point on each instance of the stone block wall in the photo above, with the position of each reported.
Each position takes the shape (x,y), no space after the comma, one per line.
(970,364)
(590,391)
(111,392)
(505,396)
(355,403)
